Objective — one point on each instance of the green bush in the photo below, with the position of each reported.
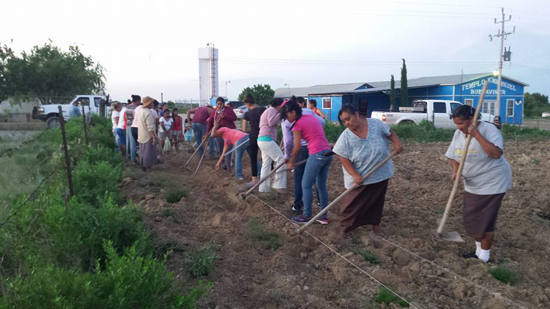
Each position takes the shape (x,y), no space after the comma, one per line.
(367,255)
(201,262)
(70,236)
(504,274)
(257,232)
(174,196)
(333,131)
(423,132)
(91,182)
(512,132)
(127,281)
(386,296)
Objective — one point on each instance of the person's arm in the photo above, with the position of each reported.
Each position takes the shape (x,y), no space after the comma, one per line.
(189,112)
(210,121)
(215,132)
(244,125)
(163,127)
(397,146)
(348,166)
(116,120)
(229,114)
(454,167)
(225,147)
(150,124)
(490,149)
(274,120)
(297,137)
(288,139)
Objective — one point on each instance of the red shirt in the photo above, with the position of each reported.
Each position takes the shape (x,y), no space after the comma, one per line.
(231,136)
(201,115)
(176,125)
(227,121)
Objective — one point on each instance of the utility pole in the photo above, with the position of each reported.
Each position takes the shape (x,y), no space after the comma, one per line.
(502,34)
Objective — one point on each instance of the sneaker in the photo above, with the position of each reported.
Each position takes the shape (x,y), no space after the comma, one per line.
(251,184)
(297,211)
(322,221)
(302,219)
(470,255)
(240,178)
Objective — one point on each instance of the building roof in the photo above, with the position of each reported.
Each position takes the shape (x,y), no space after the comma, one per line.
(384,85)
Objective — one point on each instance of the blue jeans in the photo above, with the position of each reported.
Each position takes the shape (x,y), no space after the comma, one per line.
(316,171)
(199,130)
(131,141)
(219,143)
(298,176)
(239,152)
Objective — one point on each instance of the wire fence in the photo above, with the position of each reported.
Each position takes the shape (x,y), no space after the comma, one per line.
(10,151)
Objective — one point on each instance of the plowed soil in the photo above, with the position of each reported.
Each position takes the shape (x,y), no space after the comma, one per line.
(304,273)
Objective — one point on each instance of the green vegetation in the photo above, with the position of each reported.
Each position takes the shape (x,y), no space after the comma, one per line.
(535,104)
(512,132)
(504,274)
(271,240)
(367,255)
(201,261)
(262,94)
(404,95)
(84,251)
(175,195)
(386,296)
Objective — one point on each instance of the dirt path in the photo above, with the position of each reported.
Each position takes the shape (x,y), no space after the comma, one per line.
(307,274)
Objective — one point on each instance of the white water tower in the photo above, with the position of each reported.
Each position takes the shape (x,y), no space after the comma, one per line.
(208,73)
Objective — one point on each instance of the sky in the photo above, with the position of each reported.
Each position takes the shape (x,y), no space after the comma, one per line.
(151,47)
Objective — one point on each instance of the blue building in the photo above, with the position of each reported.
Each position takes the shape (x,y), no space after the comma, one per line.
(375,96)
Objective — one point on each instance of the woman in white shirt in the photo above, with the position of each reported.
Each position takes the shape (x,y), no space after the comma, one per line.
(165,126)
(486,174)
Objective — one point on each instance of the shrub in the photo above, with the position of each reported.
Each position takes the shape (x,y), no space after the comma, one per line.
(504,274)
(127,281)
(270,239)
(333,131)
(174,196)
(367,255)
(386,296)
(201,262)
(91,182)
(512,132)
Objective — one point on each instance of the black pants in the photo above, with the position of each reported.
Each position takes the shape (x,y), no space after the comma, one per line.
(135,133)
(253,154)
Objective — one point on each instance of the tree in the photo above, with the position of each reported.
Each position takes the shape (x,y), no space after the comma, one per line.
(392,95)
(404,100)
(262,94)
(48,72)
(535,104)
(6,89)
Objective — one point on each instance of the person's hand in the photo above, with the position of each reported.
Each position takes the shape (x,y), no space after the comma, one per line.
(218,165)
(453,177)
(287,160)
(398,147)
(473,131)
(289,165)
(358,179)
(155,141)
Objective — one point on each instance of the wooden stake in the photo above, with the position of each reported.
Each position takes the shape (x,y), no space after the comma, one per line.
(85,125)
(66,148)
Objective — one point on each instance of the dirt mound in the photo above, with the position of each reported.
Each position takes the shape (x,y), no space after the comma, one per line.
(262,264)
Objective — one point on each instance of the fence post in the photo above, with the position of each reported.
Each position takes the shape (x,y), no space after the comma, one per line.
(85,125)
(66,148)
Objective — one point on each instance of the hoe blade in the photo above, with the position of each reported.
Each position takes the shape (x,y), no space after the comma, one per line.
(451,236)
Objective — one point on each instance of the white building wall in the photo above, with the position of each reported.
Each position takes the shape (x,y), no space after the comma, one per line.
(208,74)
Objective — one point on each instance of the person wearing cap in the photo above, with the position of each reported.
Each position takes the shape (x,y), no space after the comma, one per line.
(226,118)
(146,134)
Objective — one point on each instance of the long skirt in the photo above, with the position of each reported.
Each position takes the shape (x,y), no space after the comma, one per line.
(148,153)
(363,206)
(480,213)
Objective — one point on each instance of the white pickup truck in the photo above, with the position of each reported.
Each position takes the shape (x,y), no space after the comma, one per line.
(436,111)
(50,112)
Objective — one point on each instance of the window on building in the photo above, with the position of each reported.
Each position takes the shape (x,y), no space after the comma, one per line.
(510,108)
(469,102)
(327,103)
(488,107)
(454,106)
(440,108)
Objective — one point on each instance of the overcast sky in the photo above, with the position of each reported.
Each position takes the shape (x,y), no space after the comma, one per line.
(149,47)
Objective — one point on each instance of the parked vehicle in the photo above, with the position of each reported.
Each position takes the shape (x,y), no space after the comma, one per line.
(50,112)
(436,111)
(240,111)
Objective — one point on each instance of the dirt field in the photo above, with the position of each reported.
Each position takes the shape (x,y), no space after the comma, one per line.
(306,274)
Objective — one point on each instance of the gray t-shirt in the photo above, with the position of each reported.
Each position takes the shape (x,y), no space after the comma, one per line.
(482,175)
(364,154)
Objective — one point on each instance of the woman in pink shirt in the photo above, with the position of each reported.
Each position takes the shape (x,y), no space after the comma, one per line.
(232,137)
(318,162)
(269,121)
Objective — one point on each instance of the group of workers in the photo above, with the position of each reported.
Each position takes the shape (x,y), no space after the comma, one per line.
(306,153)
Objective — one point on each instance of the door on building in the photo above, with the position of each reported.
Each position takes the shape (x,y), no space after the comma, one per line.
(363,107)
(441,115)
(488,107)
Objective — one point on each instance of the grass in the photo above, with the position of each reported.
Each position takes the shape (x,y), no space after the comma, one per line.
(168,212)
(505,275)
(201,261)
(387,297)
(175,196)
(271,240)
(367,255)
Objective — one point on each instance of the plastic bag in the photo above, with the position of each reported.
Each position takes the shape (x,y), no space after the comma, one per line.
(167,145)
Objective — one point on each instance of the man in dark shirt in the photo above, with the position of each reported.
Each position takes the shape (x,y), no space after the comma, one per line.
(253,117)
